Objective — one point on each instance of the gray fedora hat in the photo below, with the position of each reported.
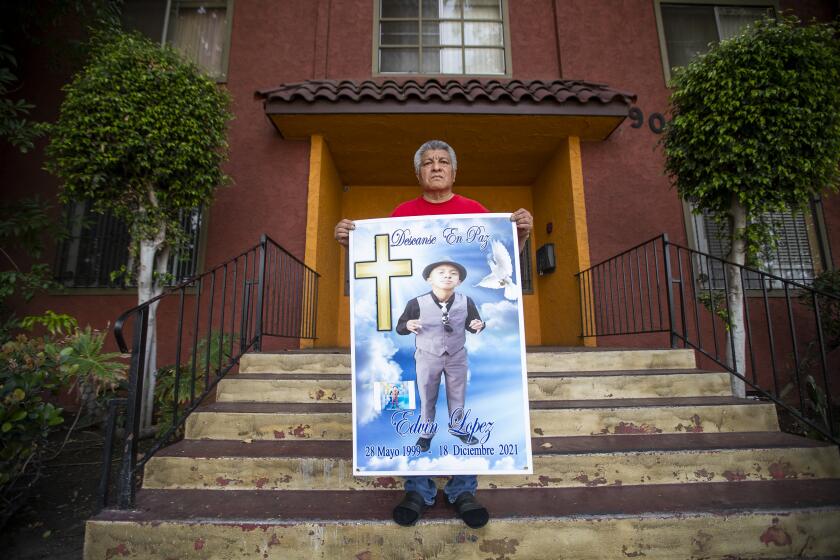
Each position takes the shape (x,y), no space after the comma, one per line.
(461,270)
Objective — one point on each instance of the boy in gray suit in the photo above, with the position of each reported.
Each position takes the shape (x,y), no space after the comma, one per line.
(439,320)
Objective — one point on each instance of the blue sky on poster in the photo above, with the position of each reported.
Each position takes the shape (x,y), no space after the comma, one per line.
(495,390)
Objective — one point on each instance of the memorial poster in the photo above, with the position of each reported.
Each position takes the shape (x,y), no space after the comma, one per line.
(438,347)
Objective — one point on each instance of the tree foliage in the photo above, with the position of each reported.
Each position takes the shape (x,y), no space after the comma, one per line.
(757,118)
(755,130)
(141,134)
(15,125)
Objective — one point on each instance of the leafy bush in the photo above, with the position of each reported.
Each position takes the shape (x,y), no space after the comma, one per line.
(31,367)
(28,368)
(94,373)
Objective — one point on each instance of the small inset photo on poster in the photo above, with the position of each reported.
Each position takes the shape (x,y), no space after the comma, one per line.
(395,396)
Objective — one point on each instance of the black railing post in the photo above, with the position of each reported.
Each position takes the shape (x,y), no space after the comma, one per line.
(258,326)
(669,287)
(246,306)
(107,454)
(125,498)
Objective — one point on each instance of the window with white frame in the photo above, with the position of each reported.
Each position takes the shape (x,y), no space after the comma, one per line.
(200,30)
(441,37)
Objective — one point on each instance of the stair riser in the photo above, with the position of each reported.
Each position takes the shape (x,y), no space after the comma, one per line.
(653,420)
(611,360)
(295,363)
(537,361)
(629,387)
(541,388)
(222,425)
(551,471)
(753,535)
(555,422)
(280,391)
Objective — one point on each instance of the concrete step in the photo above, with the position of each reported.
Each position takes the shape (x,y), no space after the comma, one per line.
(558,463)
(293,388)
(768,519)
(611,360)
(260,421)
(651,416)
(592,360)
(295,362)
(627,384)
(302,388)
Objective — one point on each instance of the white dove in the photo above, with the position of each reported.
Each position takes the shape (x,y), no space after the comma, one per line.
(501,269)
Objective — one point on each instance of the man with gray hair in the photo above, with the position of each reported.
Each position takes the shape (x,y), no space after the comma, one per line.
(435,165)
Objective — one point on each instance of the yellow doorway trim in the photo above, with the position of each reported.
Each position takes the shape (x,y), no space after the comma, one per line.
(560,220)
(579,213)
(323,209)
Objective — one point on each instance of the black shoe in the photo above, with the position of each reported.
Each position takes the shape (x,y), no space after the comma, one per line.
(471,511)
(410,509)
(424,443)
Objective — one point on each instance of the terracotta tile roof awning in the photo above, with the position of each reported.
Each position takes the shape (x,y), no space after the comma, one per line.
(532,97)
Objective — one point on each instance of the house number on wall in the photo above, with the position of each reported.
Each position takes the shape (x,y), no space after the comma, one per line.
(656,121)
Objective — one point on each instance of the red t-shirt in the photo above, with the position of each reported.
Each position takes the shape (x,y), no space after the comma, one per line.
(421,207)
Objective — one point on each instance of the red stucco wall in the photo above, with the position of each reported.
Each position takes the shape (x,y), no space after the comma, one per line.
(627,197)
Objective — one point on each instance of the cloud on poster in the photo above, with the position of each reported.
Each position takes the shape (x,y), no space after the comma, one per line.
(374,361)
(502,326)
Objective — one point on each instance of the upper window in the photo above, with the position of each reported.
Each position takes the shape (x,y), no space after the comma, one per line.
(441,37)
(689,28)
(200,30)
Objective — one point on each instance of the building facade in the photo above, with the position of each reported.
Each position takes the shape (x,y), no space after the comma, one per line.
(556,106)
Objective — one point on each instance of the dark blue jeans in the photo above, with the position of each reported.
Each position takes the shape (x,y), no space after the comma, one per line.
(456,486)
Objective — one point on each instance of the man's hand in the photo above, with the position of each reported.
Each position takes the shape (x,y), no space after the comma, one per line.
(477,325)
(413,325)
(524,225)
(342,231)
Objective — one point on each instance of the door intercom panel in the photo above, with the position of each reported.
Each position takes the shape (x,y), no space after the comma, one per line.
(546,261)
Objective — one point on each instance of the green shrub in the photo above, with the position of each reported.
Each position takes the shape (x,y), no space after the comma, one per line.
(33,367)
(97,375)
(28,369)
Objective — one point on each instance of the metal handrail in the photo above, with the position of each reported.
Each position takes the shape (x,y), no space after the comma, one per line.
(261,292)
(623,295)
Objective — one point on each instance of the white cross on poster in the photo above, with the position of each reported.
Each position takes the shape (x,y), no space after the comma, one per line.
(438,347)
